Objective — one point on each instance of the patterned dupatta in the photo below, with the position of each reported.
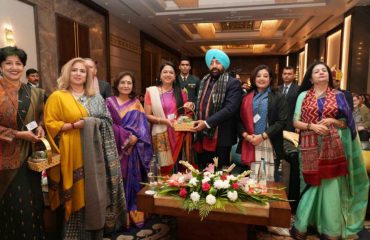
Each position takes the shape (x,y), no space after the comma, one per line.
(322,156)
(160,139)
(214,104)
(9,157)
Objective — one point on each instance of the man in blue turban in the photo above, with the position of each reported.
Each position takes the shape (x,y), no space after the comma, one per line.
(217,106)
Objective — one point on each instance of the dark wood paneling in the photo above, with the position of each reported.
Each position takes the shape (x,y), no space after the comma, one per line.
(65,40)
(99,9)
(313,51)
(83,40)
(146,74)
(73,40)
(359,50)
(154,53)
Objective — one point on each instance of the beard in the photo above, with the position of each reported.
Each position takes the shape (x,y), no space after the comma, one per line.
(215,72)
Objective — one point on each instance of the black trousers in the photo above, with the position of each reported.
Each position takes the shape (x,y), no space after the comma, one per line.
(223,154)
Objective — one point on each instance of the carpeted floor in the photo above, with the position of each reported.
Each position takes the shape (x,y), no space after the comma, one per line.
(164,228)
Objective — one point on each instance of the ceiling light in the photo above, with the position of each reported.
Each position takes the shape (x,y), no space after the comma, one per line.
(187,3)
(259,48)
(269,27)
(206,30)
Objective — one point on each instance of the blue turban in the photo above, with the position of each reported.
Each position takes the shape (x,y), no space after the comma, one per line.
(219,55)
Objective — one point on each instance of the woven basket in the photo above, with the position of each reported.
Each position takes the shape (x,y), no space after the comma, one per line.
(40,164)
(184,126)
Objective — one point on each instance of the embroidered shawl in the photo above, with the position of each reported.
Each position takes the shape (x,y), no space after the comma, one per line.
(160,141)
(116,203)
(322,156)
(215,101)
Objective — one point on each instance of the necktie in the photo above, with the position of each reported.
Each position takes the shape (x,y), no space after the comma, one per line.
(285,91)
(184,79)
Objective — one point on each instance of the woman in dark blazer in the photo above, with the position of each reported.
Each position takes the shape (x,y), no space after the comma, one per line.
(263,116)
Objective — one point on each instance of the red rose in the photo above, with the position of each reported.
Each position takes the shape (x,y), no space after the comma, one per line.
(183,192)
(235,185)
(223,177)
(206,186)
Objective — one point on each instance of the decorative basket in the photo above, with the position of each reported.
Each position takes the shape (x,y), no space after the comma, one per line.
(184,126)
(40,163)
(181,126)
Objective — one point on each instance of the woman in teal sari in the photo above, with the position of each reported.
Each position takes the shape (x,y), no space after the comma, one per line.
(335,184)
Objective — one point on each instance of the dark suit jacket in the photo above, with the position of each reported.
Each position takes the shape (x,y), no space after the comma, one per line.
(191,85)
(291,98)
(105,89)
(226,117)
(277,112)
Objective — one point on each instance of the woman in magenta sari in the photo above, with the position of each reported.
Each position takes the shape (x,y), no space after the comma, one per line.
(163,104)
(132,136)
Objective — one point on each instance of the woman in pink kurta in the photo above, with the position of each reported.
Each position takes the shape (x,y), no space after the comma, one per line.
(163,104)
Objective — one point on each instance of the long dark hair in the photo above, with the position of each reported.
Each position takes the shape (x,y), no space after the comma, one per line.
(254,76)
(118,78)
(307,83)
(176,86)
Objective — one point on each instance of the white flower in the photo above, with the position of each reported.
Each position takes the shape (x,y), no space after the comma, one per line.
(231,177)
(181,179)
(219,184)
(194,196)
(193,181)
(210,199)
(207,174)
(205,179)
(246,188)
(232,195)
(219,173)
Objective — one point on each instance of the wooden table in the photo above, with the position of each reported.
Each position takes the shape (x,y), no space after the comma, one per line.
(220,224)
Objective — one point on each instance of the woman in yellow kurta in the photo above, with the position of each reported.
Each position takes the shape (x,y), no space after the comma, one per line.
(63,121)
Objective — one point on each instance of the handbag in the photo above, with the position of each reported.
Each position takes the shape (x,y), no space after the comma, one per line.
(42,160)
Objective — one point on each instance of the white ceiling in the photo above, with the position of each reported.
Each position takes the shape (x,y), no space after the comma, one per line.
(165,20)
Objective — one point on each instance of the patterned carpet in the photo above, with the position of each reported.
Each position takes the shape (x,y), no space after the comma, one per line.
(164,228)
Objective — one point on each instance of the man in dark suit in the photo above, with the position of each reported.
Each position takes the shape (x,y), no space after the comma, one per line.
(100,86)
(290,164)
(290,90)
(217,108)
(188,82)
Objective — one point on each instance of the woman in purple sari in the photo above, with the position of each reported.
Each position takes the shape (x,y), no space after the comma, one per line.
(132,136)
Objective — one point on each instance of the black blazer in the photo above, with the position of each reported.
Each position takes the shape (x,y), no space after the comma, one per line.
(291,99)
(105,89)
(277,112)
(226,117)
(191,85)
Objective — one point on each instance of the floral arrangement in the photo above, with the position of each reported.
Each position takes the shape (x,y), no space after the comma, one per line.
(212,189)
